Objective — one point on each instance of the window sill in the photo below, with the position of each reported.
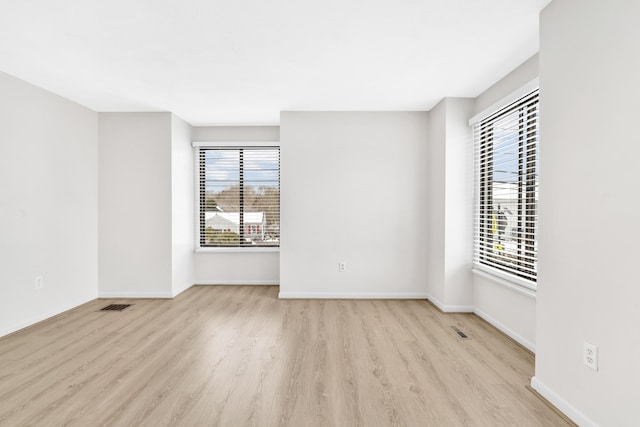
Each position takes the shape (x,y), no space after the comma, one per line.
(496,277)
(235,250)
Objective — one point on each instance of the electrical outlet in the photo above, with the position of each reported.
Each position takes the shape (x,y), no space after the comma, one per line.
(590,355)
(39,282)
(342,266)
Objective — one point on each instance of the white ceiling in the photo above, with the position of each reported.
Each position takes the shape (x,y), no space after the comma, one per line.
(244,61)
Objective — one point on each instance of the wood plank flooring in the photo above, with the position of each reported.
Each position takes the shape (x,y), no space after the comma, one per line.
(238,356)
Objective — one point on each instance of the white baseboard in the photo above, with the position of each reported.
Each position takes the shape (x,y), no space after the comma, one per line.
(505,330)
(450,308)
(44,316)
(237,282)
(181,289)
(352,295)
(177,292)
(143,294)
(568,409)
(135,294)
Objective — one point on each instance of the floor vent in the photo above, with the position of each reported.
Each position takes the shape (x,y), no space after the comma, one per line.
(460,334)
(115,307)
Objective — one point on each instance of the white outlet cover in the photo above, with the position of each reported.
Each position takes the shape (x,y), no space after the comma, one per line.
(590,355)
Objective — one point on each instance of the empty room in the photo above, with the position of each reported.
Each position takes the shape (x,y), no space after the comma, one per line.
(337,213)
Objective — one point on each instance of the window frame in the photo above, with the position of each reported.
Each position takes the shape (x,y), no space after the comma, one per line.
(525,215)
(197,146)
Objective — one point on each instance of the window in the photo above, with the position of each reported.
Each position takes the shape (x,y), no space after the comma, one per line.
(239,191)
(506,187)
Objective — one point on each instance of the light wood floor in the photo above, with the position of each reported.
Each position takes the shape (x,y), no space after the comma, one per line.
(238,356)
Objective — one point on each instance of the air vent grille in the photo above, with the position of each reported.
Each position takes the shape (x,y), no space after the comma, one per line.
(460,334)
(115,307)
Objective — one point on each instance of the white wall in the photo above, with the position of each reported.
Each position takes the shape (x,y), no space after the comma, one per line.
(589,222)
(182,206)
(450,196)
(458,204)
(236,133)
(48,204)
(524,73)
(435,219)
(354,188)
(507,308)
(236,267)
(135,255)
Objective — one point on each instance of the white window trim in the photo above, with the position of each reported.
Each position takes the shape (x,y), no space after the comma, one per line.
(216,144)
(510,281)
(196,220)
(246,249)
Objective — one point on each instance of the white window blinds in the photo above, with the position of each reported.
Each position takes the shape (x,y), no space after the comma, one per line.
(506,190)
(239,196)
